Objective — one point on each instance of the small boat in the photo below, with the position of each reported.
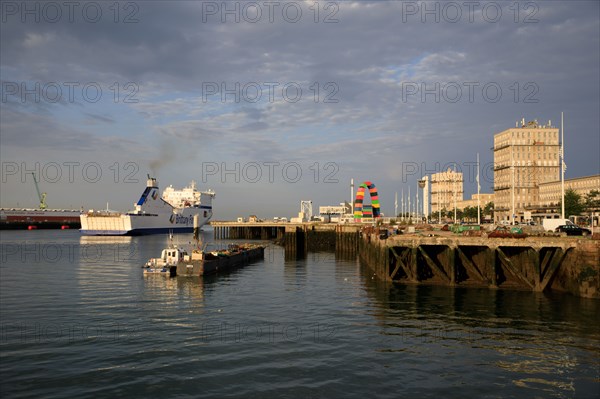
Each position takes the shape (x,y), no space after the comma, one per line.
(166,265)
(175,261)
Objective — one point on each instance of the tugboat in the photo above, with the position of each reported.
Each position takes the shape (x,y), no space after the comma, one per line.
(166,265)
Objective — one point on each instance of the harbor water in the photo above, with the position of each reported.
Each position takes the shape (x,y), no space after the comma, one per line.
(78,319)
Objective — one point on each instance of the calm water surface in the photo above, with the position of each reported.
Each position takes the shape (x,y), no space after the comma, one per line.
(78,319)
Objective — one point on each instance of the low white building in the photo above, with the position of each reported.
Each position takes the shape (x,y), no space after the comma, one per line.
(334,213)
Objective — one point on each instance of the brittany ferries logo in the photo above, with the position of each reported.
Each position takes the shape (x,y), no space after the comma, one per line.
(178,219)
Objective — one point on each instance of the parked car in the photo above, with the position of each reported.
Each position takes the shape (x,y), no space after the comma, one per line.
(552,224)
(573,230)
(505,232)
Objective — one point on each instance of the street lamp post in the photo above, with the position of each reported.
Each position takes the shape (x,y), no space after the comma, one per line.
(512,168)
(454,194)
(439,207)
(424,186)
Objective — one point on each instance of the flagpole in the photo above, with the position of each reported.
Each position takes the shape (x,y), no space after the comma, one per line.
(439,207)
(396,205)
(478,193)
(562,164)
(409,215)
(352,197)
(512,168)
(454,193)
(402,203)
(417,205)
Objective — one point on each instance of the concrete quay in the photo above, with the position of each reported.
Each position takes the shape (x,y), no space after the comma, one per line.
(565,264)
(535,263)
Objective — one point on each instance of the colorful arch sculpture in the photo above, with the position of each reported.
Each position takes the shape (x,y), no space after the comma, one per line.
(366,211)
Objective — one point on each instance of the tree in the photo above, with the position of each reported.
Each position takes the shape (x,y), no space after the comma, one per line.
(573,204)
(592,200)
(470,213)
(488,209)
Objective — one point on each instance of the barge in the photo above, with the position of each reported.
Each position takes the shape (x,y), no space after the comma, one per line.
(21,218)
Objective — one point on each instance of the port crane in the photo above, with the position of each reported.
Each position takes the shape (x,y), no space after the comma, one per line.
(41,196)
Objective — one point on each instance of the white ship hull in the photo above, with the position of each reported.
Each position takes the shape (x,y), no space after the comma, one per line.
(153,214)
(125,224)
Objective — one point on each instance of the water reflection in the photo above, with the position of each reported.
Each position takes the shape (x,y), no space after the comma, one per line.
(494,307)
(187,288)
(294,274)
(548,339)
(171,300)
(105,240)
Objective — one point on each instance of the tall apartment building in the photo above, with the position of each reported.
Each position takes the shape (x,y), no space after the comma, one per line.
(524,157)
(445,187)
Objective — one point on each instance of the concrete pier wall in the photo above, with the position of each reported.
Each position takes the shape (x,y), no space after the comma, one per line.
(535,263)
(538,264)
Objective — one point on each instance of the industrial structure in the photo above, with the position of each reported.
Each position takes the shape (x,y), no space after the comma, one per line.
(335,213)
(41,196)
(305,214)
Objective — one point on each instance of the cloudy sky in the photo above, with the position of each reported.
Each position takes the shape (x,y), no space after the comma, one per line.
(270,103)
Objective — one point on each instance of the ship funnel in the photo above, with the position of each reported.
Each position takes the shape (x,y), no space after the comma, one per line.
(151,182)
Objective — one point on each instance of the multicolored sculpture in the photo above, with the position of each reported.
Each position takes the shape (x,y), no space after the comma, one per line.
(366,211)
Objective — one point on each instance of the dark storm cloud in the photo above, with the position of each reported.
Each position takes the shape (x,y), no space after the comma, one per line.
(370,54)
(23,130)
(170,46)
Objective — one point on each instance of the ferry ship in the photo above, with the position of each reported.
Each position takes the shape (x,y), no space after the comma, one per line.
(174,212)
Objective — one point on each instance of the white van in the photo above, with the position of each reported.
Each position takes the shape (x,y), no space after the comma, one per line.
(552,224)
